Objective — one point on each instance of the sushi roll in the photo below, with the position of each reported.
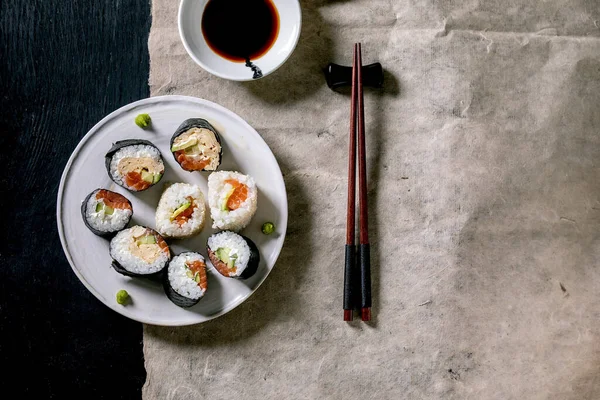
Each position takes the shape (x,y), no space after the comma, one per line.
(105,212)
(196,146)
(139,251)
(185,282)
(134,164)
(233,255)
(181,211)
(232,198)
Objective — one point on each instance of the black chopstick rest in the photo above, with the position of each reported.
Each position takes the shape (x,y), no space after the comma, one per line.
(364,251)
(350,279)
(338,76)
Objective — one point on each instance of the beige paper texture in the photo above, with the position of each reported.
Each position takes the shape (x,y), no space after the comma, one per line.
(484,190)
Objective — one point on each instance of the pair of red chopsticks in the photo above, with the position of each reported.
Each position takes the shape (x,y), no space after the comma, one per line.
(357,280)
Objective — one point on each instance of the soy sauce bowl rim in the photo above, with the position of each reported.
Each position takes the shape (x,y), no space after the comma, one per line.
(197,60)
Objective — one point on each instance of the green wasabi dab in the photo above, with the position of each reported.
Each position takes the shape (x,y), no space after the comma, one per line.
(122,296)
(143,120)
(268,228)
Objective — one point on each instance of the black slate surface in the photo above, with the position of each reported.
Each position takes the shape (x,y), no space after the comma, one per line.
(64,65)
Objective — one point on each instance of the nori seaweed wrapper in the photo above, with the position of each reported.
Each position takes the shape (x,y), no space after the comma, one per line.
(175,297)
(95,231)
(197,123)
(118,146)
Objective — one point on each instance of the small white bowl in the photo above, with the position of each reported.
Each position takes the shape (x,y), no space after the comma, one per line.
(190,30)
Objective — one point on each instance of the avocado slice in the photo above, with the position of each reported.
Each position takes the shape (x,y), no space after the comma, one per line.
(147,176)
(227,196)
(193,275)
(193,150)
(149,239)
(107,209)
(184,145)
(156,178)
(180,209)
(223,254)
(232,259)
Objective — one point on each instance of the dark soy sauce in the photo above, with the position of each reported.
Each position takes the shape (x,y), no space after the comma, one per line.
(240,30)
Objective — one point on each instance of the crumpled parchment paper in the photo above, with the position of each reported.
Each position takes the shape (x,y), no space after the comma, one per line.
(484,190)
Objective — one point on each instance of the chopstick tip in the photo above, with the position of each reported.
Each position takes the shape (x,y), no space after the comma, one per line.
(365,313)
(347,315)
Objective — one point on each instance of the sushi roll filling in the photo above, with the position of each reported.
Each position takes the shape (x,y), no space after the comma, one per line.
(106,212)
(232,255)
(109,201)
(232,198)
(181,211)
(140,172)
(134,164)
(139,251)
(185,282)
(184,212)
(102,209)
(196,271)
(147,245)
(228,258)
(234,195)
(197,149)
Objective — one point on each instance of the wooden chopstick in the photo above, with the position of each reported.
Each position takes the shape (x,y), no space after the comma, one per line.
(351,278)
(364,251)
(350,273)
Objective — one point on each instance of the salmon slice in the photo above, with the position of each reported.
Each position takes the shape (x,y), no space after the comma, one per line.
(187,213)
(200,268)
(239,195)
(113,200)
(134,180)
(190,163)
(161,242)
(220,265)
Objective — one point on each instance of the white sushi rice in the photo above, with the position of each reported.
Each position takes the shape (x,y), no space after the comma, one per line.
(120,252)
(217,191)
(135,151)
(102,221)
(237,246)
(172,198)
(180,282)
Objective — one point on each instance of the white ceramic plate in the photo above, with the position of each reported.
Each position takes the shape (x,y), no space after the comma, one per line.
(190,31)
(243,150)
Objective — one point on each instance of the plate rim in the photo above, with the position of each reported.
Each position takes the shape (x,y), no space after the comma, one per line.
(150,100)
